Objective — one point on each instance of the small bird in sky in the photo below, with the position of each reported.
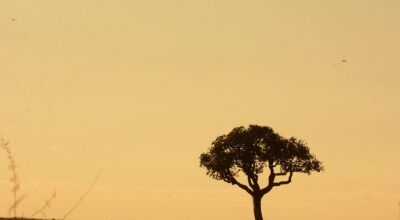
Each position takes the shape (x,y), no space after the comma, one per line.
(340,61)
(13,19)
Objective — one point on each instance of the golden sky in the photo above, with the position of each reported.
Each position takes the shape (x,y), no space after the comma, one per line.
(141,88)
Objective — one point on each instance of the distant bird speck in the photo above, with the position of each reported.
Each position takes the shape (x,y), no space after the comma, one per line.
(340,62)
(13,19)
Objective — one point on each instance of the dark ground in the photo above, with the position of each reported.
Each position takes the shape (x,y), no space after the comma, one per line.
(20,218)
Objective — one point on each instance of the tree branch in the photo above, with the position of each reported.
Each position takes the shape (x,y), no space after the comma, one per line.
(247,189)
(271,178)
(285,182)
(249,180)
(281,174)
(253,182)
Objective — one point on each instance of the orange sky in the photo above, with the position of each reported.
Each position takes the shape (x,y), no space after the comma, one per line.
(141,88)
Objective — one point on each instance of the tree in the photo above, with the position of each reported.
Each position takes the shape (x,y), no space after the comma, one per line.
(251,150)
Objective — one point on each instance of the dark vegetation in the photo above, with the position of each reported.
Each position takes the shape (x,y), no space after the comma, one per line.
(16,185)
(247,151)
(12,218)
(17,199)
(252,150)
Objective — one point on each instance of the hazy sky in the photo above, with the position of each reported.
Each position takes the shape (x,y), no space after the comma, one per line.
(141,88)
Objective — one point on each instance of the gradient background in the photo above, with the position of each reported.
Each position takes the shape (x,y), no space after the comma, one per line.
(141,88)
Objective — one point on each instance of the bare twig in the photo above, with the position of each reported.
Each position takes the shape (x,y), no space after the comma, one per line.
(83,196)
(14,179)
(16,203)
(46,205)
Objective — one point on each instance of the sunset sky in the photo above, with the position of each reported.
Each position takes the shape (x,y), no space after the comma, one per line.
(139,89)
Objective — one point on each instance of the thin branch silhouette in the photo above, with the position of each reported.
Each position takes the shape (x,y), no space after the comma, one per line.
(16,203)
(46,205)
(83,196)
(14,179)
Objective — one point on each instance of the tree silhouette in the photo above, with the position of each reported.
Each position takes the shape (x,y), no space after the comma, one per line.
(251,150)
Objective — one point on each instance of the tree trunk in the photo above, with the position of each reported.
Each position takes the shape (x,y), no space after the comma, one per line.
(257,207)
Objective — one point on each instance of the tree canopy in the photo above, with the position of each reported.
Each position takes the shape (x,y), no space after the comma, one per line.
(252,150)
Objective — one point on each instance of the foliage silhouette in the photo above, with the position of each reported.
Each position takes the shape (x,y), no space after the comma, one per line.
(251,150)
(16,187)
(14,179)
(16,184)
